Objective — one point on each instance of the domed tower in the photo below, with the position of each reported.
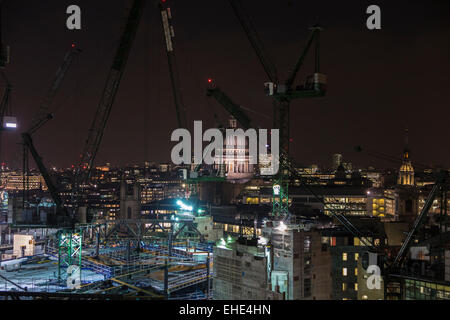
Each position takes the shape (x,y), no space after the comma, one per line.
(236,156)
(406,174)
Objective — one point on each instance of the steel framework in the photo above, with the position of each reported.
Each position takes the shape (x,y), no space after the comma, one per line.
(69,251)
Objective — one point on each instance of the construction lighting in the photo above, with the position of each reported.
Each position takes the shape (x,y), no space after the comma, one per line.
(282,226)
(262,241)
(184,206)
(276,190)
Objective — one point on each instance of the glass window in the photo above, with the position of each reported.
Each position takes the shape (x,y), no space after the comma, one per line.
(356,287)
(344,272)
(356,256)
(344,286)
(344,256)
(356,271)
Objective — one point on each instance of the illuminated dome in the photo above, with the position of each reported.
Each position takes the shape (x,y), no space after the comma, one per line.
(407,168)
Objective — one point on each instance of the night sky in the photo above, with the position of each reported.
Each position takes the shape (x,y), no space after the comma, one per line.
(379,82)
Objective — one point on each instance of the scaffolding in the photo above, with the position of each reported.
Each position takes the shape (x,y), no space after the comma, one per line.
(69,252)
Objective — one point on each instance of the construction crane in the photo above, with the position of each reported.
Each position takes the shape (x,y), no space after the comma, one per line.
(169,35)
(97,129)
(4,49)
(283,94)
(6,123)
(237,112)
(43,115)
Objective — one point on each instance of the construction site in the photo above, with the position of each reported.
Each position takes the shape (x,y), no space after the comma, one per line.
(226,231)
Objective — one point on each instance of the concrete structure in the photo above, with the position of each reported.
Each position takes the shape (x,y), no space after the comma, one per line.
(291,267)
(130,201)
(240,272)
(205,226)
(337,161)
(23,245)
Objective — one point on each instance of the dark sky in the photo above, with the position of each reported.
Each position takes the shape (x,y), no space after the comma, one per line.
(379,82)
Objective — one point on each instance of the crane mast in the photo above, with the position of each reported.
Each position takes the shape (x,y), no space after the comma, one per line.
(4,103)
(4,60)
(169,35)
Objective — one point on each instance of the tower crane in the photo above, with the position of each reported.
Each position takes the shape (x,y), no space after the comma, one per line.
(97,129)
(43,115)
(283,94)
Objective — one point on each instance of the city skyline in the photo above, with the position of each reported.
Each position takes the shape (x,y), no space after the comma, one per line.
(370,103)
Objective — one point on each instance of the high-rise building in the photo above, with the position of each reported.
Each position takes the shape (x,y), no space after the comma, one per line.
(337,160)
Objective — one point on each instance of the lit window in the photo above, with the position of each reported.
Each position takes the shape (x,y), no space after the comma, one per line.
(344,256)
(356,271)
(344,286)
(356,287)
(356,256)
(344,272)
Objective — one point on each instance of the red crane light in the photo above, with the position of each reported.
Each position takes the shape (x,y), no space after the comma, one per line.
(210,80)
